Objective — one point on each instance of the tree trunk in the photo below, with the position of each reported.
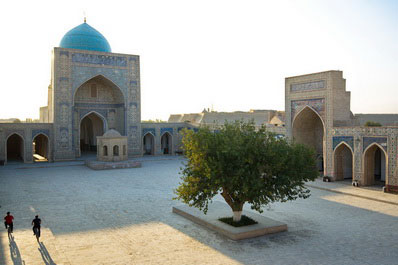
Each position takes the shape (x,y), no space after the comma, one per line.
(237,216)
(235,205)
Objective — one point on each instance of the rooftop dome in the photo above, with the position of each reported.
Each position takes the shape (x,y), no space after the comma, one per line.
(85,37)
(111,133)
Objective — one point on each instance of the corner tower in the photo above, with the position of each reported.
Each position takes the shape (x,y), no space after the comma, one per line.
(93,90)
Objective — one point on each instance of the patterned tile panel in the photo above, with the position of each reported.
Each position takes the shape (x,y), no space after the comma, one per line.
(99,59)
(370,140)
(163,130)
(43,131)
(146,130)
(315,85)
(318,104)
(347,139)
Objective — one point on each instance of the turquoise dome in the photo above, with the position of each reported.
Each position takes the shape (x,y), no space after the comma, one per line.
(85,37)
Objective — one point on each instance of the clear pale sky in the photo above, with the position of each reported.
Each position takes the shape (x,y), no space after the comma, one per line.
(232,55)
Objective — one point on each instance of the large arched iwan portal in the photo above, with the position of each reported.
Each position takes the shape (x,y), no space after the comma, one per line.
(375,165)
(343,162)
(15,148)
(100,92)
(40,148)
(91,126)
(148,144)
(308,129)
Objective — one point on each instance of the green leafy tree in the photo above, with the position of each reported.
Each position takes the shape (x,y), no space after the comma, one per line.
(243,164)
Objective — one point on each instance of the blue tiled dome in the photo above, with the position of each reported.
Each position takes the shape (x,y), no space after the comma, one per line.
(85,37)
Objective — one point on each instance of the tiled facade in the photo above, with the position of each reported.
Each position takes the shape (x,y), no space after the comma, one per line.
(325,94)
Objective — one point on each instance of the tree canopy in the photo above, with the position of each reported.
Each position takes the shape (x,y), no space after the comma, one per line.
(243,164)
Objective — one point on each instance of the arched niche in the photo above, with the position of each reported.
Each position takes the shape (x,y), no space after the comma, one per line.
(101,95)
(166,143)
(308,129)
(91,126)
(15,148)
(40,148)
(375,165)
(343,162)
(148,144)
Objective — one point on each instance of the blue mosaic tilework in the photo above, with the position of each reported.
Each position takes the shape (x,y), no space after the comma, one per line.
(63,79)
(318,104)
(81,74)
(64,53)
(370,140)
(99,59)
(98,106)
(163,130)
(347,139)
(39,131)
(315,85)
(151,130)
(9,132)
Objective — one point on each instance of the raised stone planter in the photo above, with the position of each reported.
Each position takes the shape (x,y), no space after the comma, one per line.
(218,209)
(101,165)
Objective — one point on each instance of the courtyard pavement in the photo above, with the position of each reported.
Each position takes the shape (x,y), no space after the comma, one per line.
(124,217)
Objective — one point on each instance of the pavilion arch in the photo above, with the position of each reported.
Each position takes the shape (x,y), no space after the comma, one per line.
(41,148)
(375,165)
(166,142)
(308,128)
(148,144)
(91,125)
(343,162)
(15,147)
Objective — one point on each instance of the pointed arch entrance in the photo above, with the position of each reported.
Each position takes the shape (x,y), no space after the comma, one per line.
(101,95)
(15,148)
(40,148)
(166,143)
(148,144)
(343,162)
(375,165)
(91,126)
(308,129)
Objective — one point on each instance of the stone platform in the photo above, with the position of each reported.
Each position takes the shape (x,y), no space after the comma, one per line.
(101,165)
(218,209)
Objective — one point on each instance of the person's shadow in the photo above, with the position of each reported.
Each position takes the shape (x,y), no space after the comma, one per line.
(14,252)
(45,255)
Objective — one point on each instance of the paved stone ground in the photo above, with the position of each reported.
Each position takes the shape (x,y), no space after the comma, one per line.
(124,217)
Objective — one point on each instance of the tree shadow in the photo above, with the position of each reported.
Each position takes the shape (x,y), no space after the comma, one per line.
(45,255)
(14,252)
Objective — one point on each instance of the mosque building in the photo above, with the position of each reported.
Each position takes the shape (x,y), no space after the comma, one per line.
(94,90)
